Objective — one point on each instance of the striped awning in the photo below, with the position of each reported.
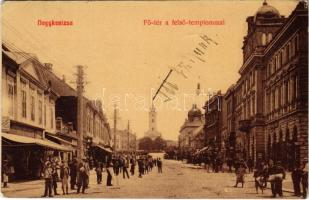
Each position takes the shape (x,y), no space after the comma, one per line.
(35,141)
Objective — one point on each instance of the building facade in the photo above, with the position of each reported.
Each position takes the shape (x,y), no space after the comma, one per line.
(191,135)
(126,141)
(214,127)
(28,114)
(267,108)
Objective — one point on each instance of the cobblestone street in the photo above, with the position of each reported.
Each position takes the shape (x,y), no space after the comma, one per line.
(178,180)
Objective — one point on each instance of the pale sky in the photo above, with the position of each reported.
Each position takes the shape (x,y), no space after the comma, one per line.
(125,59)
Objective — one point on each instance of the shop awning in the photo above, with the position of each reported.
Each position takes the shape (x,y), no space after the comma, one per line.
(103,148)
(59,139)
(36,141)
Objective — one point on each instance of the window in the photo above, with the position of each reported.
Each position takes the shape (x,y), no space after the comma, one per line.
(280,60)
(253,105)
(269,37)
(11,98)
(263,39)
(32,107)
(23,104)
(45,121)
(279,96)
(294,88)
(286,92)
(51,118)
(40,112)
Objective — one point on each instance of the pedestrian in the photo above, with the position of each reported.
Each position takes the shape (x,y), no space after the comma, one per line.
(132,169)
(296,179)
(250,164)
(81,178)
(240,175)
(125,167)
(87,172)
(64,175)
(55,176)
(159,163)
(48,179)
(5,173)
(73,173)
(98,171)
(109,171)
(304,180)
(276,176)
(140,167)
(229,164)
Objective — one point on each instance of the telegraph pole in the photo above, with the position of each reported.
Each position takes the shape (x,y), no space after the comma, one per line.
(115,126)
(80,90)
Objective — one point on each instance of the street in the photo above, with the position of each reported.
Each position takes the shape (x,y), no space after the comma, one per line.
(178,180)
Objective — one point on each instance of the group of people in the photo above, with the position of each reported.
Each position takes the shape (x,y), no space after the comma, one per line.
(274,173)
(263,172)
(76,173)
(122,163)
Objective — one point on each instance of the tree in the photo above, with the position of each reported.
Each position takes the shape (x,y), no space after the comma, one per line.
(159,144)
(145,144)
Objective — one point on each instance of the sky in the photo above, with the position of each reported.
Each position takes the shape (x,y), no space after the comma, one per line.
(126,60)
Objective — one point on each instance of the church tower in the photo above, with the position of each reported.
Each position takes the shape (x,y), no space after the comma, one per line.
(152,129)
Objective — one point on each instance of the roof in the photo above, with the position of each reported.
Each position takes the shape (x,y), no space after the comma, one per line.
(58,85)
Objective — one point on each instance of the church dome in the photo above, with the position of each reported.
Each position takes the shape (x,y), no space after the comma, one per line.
(267,11)
(194,112)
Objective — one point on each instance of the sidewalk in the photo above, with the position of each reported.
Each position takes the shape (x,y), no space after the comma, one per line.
(34,187)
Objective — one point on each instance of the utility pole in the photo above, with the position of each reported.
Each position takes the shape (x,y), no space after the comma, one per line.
(128,135)
(134,142)
(115,126)
(80,115)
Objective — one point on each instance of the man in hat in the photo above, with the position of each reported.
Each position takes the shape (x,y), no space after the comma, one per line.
(276,176)
(81,178)
(48,171)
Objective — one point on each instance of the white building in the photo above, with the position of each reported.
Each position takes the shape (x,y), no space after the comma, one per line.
(152,131)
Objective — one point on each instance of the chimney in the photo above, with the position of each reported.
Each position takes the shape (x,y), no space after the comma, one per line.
(63,78)
(49,66)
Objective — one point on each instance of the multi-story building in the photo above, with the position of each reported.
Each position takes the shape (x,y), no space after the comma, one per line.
(285,61)
(213,127)
(28,113)
(268,104)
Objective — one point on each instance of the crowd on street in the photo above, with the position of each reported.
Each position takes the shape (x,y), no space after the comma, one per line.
(268,171)
(75,174)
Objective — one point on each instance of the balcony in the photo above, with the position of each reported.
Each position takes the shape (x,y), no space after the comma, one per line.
(245,125)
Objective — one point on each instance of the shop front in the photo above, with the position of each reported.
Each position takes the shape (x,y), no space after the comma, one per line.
(26,155)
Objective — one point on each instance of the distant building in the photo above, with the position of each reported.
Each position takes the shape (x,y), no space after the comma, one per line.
(152,131)
(125,140)
(214,121)
(191,135)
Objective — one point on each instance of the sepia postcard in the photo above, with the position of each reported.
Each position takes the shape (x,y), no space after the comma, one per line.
(188,99)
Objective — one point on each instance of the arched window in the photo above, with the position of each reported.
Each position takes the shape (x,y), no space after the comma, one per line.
(263,39)
(269,37)
(287,135)
(295,134)
(280,135)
